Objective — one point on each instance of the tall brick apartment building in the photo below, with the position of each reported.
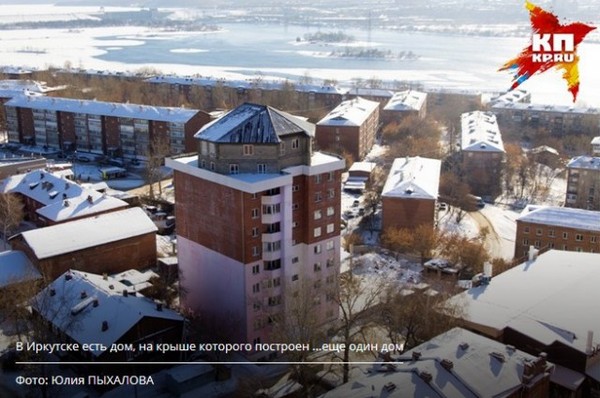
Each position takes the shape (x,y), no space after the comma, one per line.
(257,221)
(350,127)
(583,183)
(559,228)
(107,128)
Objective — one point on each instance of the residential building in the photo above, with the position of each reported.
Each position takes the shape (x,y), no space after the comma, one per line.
(15,165)
(359,175)
(583,183)
(511,97)
(559,228)
(458,363)
(403,104)
(410,193)
(380,95)
(49,199)
(482,153)
(596,146)
(560,120)
(351,127)
(545,305)
(101,311)
(109,243)
(109,128)
(257,220)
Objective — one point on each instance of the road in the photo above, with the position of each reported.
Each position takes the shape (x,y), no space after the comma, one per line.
(492,242)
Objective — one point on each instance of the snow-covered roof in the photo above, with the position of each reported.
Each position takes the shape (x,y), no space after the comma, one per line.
(596,140)
(12,88)
(522,106)
(512,96)
(480,132)
(61,199)
(585,162)
(481,367)
(352,112)
(16,267)
(88,232)
(78,304)
(248,84)
(408,100)
(544,148)
(115,109)
(413,178)
(550,299)
(371,92)
(252,123)
(367,167)
(567,217)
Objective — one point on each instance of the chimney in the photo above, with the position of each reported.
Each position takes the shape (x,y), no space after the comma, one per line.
(125,294)
(426,376)
(68,277)
(66,203)
(447,364)
(89,199)
(416,355)
(105,276)
(83,294)
(463,346)
(52,292)
(95,302)
(104,326)
(159,307)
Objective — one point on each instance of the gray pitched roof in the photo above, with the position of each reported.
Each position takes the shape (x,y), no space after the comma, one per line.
(252,123)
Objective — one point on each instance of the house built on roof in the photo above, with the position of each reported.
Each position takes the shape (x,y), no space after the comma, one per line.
(405,103)
(583,183)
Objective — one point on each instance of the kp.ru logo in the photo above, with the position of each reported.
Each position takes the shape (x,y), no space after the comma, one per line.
(552,45)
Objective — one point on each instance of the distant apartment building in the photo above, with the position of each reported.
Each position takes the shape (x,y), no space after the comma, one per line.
(410,193)
(482,152)
(351,127)
(403,104)
(596,146)
(109,128)
(511,97)
(583,183)
(49,199)
(257,222)
(560,120)
(379,95)
(559,228)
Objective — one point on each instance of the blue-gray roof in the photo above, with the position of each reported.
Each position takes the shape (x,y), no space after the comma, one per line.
(252,123)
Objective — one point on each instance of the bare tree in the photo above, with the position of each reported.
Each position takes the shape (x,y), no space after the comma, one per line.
(159,149)
(11,215)
(356,299)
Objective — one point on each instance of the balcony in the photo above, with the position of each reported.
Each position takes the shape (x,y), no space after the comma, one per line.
(271,200)
(271,237)
(271,218)
(271,256)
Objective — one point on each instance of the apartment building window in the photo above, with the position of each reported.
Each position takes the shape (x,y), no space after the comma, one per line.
(538,232)
(318,197)
(256,306)
(295,188)
(203,163)
(317,249)
(317,214)
(255,269)
(234,168)
(295,260)
(275,300)
(593,239)
(578,237)
(277,282)
(255,213)
(551,245)
(330,211)
(256,288)
(536,244)
(273,228)
(330,262)
(331,176)
(317,232)
(525,230)
(330,228)
(255,232)
(295,206)
(525,241)
(271,209)
(272,246)
(318,179)
(317,267)
(255,251)
(261,168)
(564,247)
(565,235)
(212,166)
(254,195)
(578,249)
(294,277)
(331,193)
(295,224)
(282,148)
(551,233)
(272,265)
(329,245)
(248,150)
(295,143)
